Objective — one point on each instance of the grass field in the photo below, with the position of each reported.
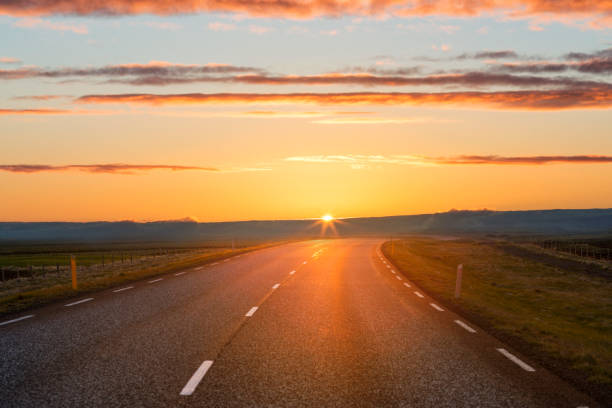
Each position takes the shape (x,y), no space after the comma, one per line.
(556,310)
(37,287)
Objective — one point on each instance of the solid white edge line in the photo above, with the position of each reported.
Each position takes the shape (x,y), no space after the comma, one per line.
(16,320)
(252,311)
(418,294)
(516,360)
(465,326)
(122,289)
(276,286)
(438,308)
(79,302)
(195,379)
(406,284)
(156,280)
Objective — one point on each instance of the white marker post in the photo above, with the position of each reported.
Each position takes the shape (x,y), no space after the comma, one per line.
(458,282)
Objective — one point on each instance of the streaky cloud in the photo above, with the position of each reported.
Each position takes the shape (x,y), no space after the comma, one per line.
(521,160)
(34,112)
(163,73)
(39,97)
(112,168)
(9,60)
(599,62)
(153,68)
(596,98)
(365,160)
(596,12)
(504,54)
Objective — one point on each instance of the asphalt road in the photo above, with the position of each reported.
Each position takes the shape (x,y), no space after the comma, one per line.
(318,323)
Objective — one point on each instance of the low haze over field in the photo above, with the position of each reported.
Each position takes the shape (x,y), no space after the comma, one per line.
(234,110)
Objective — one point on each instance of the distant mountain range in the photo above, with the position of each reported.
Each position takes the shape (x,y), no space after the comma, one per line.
(545,222)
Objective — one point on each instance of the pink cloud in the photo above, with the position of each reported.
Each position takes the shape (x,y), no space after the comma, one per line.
(32,22)
(219,26)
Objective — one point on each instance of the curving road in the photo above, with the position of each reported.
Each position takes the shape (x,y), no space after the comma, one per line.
(317,323)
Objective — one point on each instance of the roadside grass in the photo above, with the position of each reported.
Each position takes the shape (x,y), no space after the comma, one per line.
(21,294)
(557,314)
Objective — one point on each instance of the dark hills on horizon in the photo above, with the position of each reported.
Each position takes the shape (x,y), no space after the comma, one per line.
(538,222)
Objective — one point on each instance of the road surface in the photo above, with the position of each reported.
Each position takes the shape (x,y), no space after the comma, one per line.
(316,323)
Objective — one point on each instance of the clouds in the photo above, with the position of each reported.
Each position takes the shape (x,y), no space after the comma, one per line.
(511,100)
(355,161)
(515,85)
(153,69)
(113,168)
(34,111)
(597,13)
(39,97)
(504,54)
(161,73)
(596,63)
(31,22)
(220,26)
(9,60)
(359,161)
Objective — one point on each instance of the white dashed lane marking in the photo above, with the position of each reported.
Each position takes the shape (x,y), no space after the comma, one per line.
(195,379)
(418,294)
(438,308)
(516,360)
(276,286)
(16,320)
(398,277)
(181,273)
(123,289)
(78,302)
(156,280)
(252,311)
(465,326)
(291,273)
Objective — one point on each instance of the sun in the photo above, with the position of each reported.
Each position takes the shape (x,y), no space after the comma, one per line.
(327,218)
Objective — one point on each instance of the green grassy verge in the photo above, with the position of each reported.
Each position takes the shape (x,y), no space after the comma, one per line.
(556,313)
(41,292)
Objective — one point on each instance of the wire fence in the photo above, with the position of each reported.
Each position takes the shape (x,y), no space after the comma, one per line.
(54,266)
(580,249)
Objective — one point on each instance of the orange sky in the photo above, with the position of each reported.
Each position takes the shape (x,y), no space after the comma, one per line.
(296,109)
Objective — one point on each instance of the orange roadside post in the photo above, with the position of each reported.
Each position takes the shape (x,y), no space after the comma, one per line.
(73,270)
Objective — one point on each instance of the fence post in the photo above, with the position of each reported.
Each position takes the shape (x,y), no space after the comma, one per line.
(73,270)
(458,281)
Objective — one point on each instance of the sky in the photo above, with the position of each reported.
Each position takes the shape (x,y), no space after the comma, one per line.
(266,109)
